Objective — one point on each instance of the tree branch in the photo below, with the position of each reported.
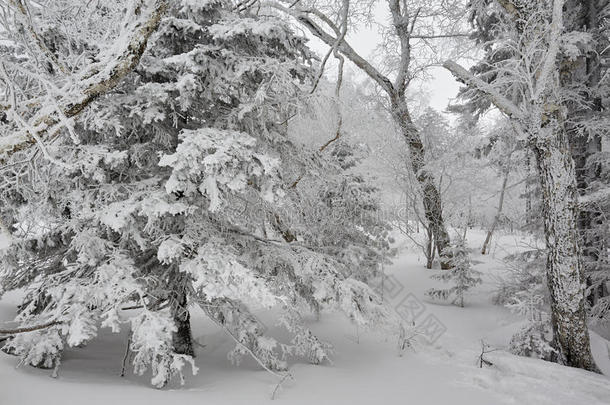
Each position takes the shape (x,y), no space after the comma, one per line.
(503,103)
(304,17)
(337,99)
(28,328)
(24,19)
(551,55)
(98,79)
(440,36)
(400,19)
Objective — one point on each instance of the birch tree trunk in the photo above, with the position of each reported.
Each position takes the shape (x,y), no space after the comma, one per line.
(564,270)
(542,120)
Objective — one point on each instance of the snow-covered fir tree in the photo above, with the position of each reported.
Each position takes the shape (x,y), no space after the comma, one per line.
(176,190)
(462,277)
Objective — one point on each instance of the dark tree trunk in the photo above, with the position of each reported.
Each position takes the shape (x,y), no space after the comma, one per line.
(433,209)
(429,248)
(182,338)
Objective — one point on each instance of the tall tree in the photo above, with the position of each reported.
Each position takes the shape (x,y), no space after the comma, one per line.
(171,191)
(526,87)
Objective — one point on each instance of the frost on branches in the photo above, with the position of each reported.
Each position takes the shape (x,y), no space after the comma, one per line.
(524,291)
(462,276)
(175,190)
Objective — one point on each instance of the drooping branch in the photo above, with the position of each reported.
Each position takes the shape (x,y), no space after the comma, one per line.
(333,49)
(501,102)
(98,79)
(321,71)
(28,328)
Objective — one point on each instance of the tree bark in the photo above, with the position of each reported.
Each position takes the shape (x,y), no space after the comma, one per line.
(96,80)
(182,338)
(429,248)
(497,217)
(542,120)
(433,209)
(565,275)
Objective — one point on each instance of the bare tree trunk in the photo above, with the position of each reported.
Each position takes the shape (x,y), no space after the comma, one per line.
(468,219)
(429,248)
(528,189)
(497,217)
(433,209)
(182,338)
(564,268)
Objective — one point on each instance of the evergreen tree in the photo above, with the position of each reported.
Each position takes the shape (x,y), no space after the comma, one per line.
(462,276)
(524,291)
(175,191)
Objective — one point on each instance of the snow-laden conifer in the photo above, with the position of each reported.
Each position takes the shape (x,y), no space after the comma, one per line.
(177,190)
(462,277)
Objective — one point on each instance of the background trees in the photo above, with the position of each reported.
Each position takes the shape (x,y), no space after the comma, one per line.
(411,22)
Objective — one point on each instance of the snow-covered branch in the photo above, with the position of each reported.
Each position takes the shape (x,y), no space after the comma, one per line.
(97,80)
(25,329)
(550,59)
(306,18)
(503,103)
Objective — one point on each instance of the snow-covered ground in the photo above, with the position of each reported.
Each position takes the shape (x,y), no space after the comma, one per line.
(366,368)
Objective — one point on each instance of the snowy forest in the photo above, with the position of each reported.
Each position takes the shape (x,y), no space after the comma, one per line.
(304,202)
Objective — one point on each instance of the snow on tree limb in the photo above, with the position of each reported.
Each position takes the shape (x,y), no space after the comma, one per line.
(403,31)
(553,48)
(23,18)
(98,79)
(503,103)
(29,328)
